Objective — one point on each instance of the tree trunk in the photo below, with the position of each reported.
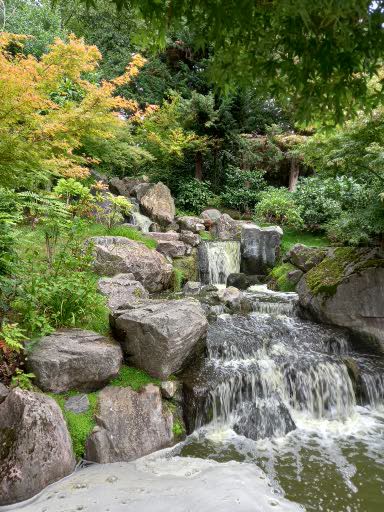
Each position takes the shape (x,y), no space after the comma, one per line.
(293,175)
(199,166)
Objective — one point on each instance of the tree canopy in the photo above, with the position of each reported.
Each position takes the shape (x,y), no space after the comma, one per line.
(316,55)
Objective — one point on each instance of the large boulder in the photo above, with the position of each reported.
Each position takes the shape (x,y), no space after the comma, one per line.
(129,424)
(35,447)
(226,228)
(259,248)
(125,186)
(190,223)
(119,255)
(160,336)
(74,359)
(4,392)
(305,257)
(158,204)
(172,248)
(211,215)
(122,290)
(347,289)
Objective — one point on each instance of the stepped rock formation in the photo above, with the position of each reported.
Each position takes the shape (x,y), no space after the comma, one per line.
(159,336)
(119,255)
(74,359)
(35,447)
(129,424)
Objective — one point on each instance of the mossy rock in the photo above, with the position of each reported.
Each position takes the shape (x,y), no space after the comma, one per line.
(328,274)
(184,269)
(279,278)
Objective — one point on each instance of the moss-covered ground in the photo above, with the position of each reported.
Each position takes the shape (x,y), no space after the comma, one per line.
(133,378)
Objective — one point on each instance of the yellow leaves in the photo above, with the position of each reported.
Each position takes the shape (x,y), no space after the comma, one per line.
(131,70)
(51,126)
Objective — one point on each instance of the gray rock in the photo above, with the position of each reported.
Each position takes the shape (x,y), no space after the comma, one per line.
(77,404)
(4,391)
(357,303)
(189,223)
(172,248)
(190,238)
(169,388)
(74,359)
(305,257)
(159,336)
(125,186)
(211,215)
(263,419)
(231,297)
(294,276)
(259,247)
(242,281)
(167,236)
(172,227)
(118,255)
(158,204)
(192,287)
(35,447)
(129,424)
(141,189)
(122,290)
(159,483)
(226,228)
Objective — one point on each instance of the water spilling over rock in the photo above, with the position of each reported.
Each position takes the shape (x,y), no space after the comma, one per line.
(217,260)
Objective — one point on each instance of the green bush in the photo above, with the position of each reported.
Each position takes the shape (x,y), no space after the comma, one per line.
(277,205)
(324,199)
(242,188)
(194,196)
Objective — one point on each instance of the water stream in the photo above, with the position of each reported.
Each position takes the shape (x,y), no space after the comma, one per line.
(296,399)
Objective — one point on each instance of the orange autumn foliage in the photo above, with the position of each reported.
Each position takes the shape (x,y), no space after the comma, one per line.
(42,123)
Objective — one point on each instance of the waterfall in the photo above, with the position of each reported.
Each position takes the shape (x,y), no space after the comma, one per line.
(273,357)
(295,398)
(137,218)
(217,260)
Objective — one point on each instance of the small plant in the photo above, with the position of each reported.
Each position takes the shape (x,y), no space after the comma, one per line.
(12,337)
(178,429)
(119,207)
(22,380)
(177,280)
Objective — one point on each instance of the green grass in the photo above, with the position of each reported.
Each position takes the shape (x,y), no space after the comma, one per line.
(292,237)
(79,425)
(133,378)
(93,229)
(177,280)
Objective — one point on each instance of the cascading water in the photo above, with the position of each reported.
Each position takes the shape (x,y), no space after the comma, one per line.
(138,219)
(295,398)
(217,260)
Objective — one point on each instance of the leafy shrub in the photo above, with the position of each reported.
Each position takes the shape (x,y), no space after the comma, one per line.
(323,199)
(12,337)
(242,188)
(277,205)
(22,380)
(60,291)
(194,195)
